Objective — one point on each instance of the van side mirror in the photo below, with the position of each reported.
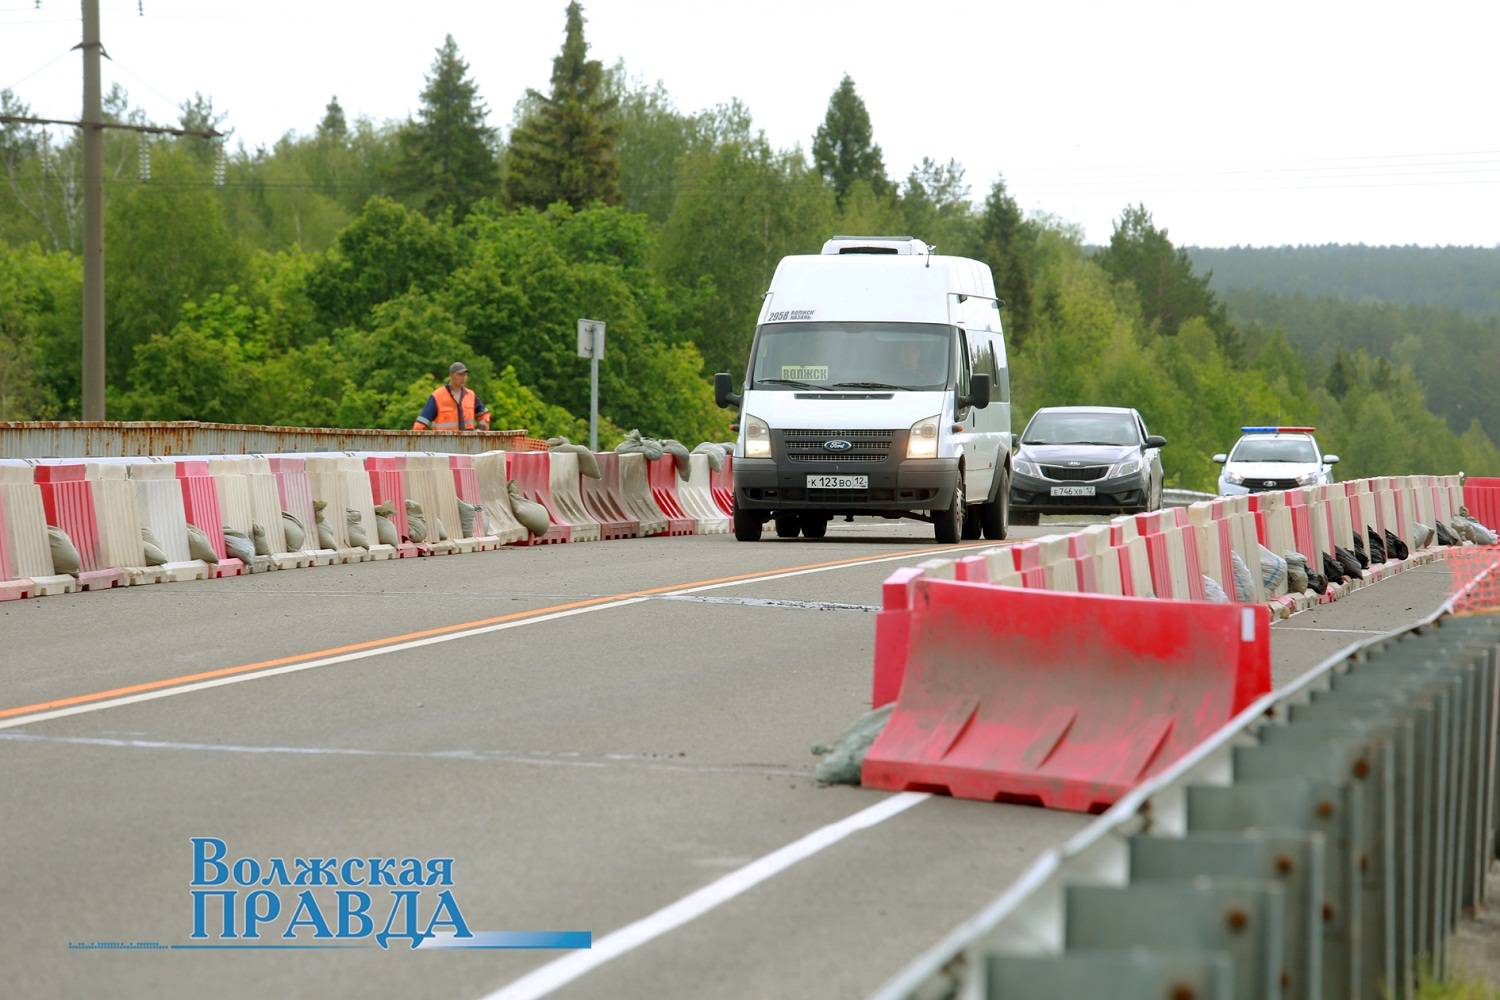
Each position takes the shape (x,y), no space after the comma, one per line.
(979,392)
(1221,458)
(1330,460)
(724,393)
(1155,441)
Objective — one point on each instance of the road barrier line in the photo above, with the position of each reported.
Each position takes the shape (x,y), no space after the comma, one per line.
(203,680)
(559,973)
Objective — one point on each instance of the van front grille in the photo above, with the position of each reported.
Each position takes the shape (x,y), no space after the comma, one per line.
(810,445)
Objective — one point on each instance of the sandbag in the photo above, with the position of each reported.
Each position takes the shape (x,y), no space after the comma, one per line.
(1317,583)
(1296,572)
(416,522)
(1394,546)
(155,554)
(1244,583)
(533,516)
(588,465)
(385,530)
(714,452)
(1359,551)
(843,759)
(65,558)
(295,533)
(1213,592)
(355,526)
(1424,534)
(1332,570)
(1377,547)
(238,545)
(1444,536)
(199,547)
(1272,572)
(1348,563)
(466,512)
(681,455)
(442,532)
(261,539)
(325,536)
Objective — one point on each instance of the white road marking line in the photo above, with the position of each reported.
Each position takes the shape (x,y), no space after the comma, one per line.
(328,661)
(540,758)
(562,971)
(1346,631)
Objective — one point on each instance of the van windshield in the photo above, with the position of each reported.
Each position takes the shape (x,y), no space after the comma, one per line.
(793,356)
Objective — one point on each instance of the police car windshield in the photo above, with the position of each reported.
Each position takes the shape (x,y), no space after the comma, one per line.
(790,356)
(1082,428)
(1270,449)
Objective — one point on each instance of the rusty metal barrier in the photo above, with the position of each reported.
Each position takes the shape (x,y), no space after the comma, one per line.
(112,439)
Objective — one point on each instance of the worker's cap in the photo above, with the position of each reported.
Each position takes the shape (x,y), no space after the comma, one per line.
(456,367)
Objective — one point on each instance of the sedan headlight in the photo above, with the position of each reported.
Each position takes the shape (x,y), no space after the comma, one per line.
(922,439)
(1233,478)
(1025,468)
(757,438)
(1128,468)
(1310,479)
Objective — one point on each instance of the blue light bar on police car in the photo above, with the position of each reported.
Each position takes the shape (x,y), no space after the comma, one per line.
(1277,430)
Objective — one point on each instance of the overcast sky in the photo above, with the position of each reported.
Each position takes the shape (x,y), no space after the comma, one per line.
(1263,123)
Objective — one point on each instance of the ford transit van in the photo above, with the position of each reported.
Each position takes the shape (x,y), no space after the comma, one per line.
(877,386)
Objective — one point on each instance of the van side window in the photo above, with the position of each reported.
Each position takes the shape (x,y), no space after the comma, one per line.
(963,363)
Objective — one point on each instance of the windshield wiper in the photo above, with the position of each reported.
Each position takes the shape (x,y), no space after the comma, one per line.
(789,381)
(870,385)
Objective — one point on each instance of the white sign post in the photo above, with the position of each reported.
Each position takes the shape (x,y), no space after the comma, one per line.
(591,346)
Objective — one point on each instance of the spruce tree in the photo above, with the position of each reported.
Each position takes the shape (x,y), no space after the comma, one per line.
(333,126)
(1008,243)
(843,148)
(564,148)
(446,157)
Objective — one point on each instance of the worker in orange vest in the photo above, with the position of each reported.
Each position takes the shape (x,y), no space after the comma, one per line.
(453,407)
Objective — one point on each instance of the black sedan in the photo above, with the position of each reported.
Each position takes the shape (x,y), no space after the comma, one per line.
(1085,460)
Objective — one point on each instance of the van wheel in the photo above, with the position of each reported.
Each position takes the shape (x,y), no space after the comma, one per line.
(995,515)
(948,525)
(747,526)
(788,526)
(971,527)
(814,527)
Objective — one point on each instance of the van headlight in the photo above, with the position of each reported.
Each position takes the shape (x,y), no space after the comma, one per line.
(922,439)
(757,438)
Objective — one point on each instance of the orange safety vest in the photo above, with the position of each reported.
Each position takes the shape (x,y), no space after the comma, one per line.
(453,415)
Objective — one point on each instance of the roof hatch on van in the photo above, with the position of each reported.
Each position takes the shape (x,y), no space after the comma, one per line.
(905,245)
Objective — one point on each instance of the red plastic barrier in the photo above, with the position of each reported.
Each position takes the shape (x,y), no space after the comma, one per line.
(1482,497)
(1028,558)
(604,502)
(7,565)
(892,635)
(1083,563)
(388,486)
(465,479)
(531,471)
(69,504)
(1067,700)
(661,475)
(722,486)
(1178,516)
(200,502)
(1158,553)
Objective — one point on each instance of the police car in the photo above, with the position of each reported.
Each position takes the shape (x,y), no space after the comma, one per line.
(1274,458)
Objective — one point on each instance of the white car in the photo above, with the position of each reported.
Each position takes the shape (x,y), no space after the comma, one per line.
(1274,458)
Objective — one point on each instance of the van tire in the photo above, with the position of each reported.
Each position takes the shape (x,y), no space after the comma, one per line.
(994,517)
(747,526)
(788,526)
(948,525)
(814,527)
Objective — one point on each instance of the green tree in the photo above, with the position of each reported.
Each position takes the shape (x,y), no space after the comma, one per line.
(1007,243)
(935,207)
(844,149)
(333,127)
(447,155)
(1162,274)
(564,149)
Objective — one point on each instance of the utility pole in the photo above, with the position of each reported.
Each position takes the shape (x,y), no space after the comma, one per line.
(93,219)
(93,125)
(591,346)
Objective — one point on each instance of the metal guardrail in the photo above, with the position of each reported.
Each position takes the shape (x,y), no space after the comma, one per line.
(1322,844)
(1182,498)
(117,439)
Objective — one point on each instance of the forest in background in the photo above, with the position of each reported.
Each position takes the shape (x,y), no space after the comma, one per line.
(330,279)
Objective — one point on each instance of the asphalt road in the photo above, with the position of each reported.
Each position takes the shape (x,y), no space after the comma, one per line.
(596,734)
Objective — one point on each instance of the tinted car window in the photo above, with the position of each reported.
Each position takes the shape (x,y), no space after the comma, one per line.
(1081,428)
(908,355)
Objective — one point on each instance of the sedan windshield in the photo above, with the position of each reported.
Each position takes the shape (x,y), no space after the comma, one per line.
(791,356)
(1056,427)
(1275,450)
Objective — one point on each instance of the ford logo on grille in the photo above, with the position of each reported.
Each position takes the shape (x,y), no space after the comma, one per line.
(838,444)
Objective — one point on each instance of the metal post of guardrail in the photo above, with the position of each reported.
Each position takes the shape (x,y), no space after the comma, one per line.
(1323,844)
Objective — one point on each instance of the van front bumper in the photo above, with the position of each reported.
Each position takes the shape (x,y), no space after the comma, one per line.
(893,486)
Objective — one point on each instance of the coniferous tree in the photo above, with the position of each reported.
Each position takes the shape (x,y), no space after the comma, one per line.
(333,126)
(843,149)
(1007,242)
(564,147)
(446,154)
(1163,276)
